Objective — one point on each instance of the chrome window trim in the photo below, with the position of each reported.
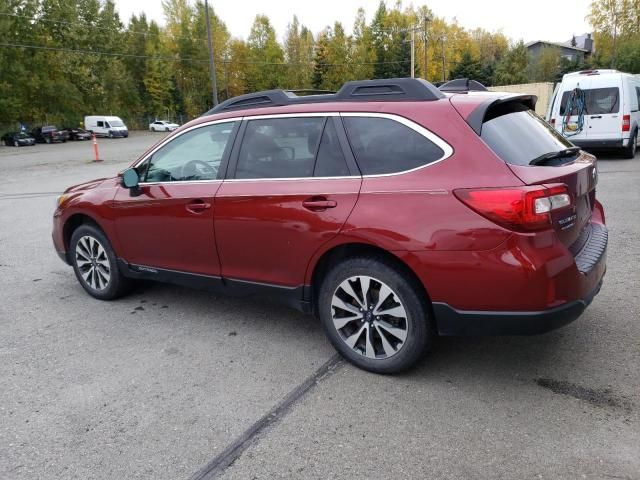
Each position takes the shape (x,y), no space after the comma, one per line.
(444,146)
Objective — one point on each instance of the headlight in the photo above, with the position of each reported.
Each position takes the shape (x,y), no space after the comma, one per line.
(61,199)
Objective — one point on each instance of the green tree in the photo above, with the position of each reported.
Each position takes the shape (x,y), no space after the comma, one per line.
(298,48)
(544,67)
(266,56)
(512,68)
(362,53)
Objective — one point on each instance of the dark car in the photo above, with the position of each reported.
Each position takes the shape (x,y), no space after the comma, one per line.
(77,134)
(49,134)
(391,210)
(18,139)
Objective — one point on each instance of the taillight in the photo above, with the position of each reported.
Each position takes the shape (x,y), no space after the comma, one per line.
(626,123)
(523,209)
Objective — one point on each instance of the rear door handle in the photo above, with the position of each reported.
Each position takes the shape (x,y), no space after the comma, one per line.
(198,206)
(318,204)
(595,116)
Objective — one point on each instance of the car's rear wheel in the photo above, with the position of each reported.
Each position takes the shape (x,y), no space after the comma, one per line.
(47,139)
(374,315)
(95,264)
(630,150)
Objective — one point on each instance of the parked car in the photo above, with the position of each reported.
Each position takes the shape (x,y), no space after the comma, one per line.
(49,134)
(18,139)
(391,210)
(162,126)
(597,109)
(77,133)
(106,126)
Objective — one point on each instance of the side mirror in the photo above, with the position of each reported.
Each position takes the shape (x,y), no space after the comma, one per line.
(130,178)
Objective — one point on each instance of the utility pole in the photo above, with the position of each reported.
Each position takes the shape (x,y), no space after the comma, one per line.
(425,20)
(212,66)
(226,75)
(413,52)
(444,62)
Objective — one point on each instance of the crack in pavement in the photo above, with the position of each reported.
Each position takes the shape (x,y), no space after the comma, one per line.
(229,455)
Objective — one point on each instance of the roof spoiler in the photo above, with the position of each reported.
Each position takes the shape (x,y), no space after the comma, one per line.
(476,118)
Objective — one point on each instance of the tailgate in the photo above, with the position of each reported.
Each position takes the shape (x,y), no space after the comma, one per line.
(580,177)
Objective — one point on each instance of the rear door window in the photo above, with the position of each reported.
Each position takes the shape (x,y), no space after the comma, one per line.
(598,101)
(518,135)
(299,147)
(383,145)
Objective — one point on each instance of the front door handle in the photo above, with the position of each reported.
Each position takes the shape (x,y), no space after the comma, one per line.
(319,204)
(198,206)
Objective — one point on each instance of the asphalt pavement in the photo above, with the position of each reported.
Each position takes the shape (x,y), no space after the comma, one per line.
(170,383)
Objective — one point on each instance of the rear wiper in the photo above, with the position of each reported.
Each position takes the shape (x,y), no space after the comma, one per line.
(567,152)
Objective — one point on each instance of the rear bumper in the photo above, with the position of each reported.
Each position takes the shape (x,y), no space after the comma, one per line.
(609,143)
(452,322)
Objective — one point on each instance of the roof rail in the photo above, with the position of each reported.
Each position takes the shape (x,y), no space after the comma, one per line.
(391,89)
(462,85)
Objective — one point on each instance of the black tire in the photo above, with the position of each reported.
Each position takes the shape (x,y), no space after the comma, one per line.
(110,134)
(47,140)
(418,324)
(166,129)
(630,150)
(117,285)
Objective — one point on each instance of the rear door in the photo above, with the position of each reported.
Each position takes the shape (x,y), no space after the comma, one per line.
(519,136)
(603,118)
(568,122)
(291,186)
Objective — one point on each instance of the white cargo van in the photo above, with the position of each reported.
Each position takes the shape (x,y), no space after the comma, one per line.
(598,109)
(106,126)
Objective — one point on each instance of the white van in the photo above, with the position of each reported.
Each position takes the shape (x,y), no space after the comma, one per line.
(106,126)
(604,109)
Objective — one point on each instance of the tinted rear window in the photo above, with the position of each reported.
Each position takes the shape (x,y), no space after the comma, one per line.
(520,135)
(598,101)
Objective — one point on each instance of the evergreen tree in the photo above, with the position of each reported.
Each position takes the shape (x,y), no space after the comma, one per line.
(512,68)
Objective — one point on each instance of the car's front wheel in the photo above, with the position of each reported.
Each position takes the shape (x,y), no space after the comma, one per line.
(375,315)
(95,264)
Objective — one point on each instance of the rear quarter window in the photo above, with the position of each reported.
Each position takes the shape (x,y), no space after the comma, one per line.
(383,145)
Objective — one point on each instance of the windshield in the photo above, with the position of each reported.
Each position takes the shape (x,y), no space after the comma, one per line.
(116,123)
(520,136)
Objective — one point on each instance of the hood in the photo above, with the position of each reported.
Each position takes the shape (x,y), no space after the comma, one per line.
(90,185)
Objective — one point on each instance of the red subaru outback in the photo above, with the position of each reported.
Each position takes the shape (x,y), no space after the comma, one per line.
(392,210)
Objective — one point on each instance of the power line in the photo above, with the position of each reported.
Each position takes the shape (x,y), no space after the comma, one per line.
(191,59)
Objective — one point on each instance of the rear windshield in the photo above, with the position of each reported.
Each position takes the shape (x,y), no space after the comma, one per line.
(518,135)
(597,101)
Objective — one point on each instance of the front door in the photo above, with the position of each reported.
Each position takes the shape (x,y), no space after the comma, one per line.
(292,186)
(168,222)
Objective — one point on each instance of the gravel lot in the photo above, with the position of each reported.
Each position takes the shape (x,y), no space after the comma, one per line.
(170,383)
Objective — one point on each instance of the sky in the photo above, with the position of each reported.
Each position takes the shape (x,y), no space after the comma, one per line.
(550,20)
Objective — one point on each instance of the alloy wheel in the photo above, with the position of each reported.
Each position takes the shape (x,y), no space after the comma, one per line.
(369,317)
(93,263)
